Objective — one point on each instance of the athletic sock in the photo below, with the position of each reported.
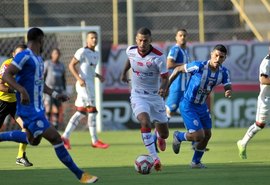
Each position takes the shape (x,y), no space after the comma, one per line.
(16,136)
(73,123)
(252,130)
(66,159)
(22,148)
(197,156)
(181,136)
(149,142)
(92,126)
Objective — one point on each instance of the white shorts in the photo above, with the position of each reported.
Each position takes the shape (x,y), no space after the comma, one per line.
(154,105)
(85,95)
(263,112)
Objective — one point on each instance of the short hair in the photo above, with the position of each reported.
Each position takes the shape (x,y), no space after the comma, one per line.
(221,48)
(92,32)
(144,31)
(34,34)
(21,45)
(181,29)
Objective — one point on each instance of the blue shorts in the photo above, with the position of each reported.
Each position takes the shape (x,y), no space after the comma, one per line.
(173,100)
(36,125)
(195,116)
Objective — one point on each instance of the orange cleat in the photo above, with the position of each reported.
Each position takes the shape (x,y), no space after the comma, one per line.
(66,143)
(161,144)
(88,179)
(100,144)
(157,165)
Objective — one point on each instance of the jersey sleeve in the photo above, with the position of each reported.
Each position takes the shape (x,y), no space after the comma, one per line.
(20,59)
(193,67)
(173,53)
(226,77)
(265,67)
(161,63)
(78,54)
(4,66)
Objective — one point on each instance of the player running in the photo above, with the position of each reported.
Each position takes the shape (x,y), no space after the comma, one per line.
(149,79)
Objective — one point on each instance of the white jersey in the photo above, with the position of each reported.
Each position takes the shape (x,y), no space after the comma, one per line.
(88,60)
(263,104)
(264,89)
(146,70)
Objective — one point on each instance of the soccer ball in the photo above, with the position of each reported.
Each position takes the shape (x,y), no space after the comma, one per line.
(143,164)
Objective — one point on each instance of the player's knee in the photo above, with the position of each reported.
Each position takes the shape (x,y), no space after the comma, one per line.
(34,142)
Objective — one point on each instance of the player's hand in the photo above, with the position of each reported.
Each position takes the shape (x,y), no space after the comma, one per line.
(124,78)
(162,92)
(82,82)
(25,99)
(228,94)
(62,97)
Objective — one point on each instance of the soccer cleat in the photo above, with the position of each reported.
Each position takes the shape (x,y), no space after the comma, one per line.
(157,165)
(197,165)
(160,142)
(23,161)
(241,150)
(100,144)
(176,143)
(66,143)
(87,178)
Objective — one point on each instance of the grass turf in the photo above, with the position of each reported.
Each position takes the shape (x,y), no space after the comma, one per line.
(114,166)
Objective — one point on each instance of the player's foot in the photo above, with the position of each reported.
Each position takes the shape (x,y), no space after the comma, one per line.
(66,143)
(100,144)
(87,178)
(160,142)
(176,143)
(197,165)
(23,161)
(242,150)
(157,165)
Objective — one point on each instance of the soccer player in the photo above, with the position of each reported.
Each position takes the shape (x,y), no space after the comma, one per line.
(86,58)
(8,105)
(178,55)
(149,80)
(204,76)
(28,67)
(263,107)
(54,75)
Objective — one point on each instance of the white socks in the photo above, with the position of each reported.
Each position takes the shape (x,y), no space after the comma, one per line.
(73,123)
(252,130)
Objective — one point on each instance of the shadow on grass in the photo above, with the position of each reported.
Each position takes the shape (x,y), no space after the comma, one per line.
(215,174)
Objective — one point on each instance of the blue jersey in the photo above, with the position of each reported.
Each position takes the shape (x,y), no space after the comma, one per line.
(203,80)
(180,56)
(31,78)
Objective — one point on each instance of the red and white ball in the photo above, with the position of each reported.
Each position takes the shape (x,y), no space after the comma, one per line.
(143,164)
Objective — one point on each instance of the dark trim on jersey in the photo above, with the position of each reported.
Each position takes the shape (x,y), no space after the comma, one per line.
(89,49)
(265,75)
(268,56)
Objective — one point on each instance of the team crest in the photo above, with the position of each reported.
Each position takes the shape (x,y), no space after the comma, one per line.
(148,64)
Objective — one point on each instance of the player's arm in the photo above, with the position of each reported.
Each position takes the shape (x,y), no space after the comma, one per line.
(54,94)
(74,71)
(264,79)
(175,73)
(163,89)
(5,88)
(11,71)
(124,75)
(171,63)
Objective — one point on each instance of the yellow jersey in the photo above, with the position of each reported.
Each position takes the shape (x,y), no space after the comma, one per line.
(4,96)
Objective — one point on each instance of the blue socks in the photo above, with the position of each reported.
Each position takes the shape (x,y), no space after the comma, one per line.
(16,135)
(197,156)
(66,159)
(181,136)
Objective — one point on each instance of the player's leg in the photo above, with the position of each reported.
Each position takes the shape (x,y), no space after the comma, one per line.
(21,158)
(262,117)
(56,105)
(54,138)
(91,121)
(72,124)
(172,102)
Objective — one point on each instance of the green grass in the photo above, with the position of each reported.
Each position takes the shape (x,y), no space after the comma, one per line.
(114,166)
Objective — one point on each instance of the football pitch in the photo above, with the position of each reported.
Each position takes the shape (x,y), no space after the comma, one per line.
(114,166)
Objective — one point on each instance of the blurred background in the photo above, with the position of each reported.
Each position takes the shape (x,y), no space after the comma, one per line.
(243,26)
